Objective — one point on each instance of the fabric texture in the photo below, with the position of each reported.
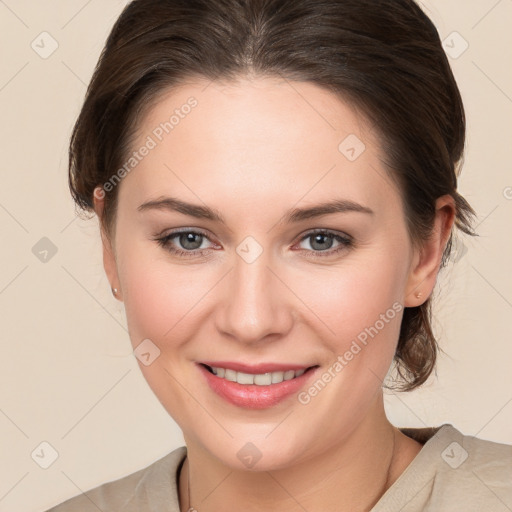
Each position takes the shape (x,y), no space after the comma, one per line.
(452,472)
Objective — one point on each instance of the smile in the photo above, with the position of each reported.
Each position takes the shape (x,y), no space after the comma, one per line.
(255,387)
(259,379)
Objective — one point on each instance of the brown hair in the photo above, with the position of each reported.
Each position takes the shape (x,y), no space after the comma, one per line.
(384,56)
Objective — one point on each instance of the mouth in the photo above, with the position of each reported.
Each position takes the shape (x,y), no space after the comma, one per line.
(255,387)
(258,379)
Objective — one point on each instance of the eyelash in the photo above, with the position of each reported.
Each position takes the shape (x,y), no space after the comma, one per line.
(346,242)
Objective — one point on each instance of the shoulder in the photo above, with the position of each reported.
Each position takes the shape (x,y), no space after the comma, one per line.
(154,485)
(467,471)
(474,456)
(479,449)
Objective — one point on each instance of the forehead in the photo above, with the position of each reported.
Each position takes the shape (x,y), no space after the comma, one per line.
(257,138)
(266,108)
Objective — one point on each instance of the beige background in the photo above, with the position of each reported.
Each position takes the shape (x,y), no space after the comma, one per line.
(68,375)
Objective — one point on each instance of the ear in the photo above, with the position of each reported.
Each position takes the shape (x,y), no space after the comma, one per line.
(109,259)
(427,259)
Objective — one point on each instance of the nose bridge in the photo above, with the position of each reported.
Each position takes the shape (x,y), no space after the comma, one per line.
(255,304)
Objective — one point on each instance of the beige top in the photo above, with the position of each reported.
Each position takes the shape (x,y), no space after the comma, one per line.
(452,472)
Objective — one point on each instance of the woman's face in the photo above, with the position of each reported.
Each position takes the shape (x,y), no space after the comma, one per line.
(253,284)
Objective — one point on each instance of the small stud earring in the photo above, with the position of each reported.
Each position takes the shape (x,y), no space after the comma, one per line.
(418,295)
(114,291)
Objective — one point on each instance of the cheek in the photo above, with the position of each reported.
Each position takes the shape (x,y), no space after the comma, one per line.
(359,310)
(161,305)
(160,299)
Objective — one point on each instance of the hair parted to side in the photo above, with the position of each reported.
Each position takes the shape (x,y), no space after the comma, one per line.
(383,56)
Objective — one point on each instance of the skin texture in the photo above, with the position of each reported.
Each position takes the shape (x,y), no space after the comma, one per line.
(253,150)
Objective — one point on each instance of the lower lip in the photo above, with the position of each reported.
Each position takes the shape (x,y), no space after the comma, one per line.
(253,396)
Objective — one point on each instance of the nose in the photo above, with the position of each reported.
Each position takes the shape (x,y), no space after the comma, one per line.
(256,305)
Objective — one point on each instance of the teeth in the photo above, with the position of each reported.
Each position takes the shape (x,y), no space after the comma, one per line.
(277,377)
(244,378)
(289,374)
(261,379)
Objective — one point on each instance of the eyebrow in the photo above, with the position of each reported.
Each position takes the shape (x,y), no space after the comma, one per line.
(294,215)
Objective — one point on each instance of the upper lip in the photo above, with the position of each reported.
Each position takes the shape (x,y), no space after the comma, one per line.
(256,368)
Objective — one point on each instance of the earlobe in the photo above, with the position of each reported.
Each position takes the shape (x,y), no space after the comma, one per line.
(110,266)
(109,260)
(427,259)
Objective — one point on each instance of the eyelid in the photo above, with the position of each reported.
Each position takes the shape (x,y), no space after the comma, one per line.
(307,233)
(178,231)
(326,231)
(345,242)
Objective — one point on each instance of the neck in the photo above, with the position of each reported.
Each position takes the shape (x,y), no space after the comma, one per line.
(351,475)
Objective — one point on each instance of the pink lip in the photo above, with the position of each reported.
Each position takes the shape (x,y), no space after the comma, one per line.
(253,396)
(257,368)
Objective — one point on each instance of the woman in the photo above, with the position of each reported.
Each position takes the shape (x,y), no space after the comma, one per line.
(277,188)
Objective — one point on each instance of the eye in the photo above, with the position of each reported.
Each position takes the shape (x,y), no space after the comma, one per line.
(188,243)
(322,241)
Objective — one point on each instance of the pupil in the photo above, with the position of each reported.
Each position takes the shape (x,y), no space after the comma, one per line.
(188,238)
(319,238)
